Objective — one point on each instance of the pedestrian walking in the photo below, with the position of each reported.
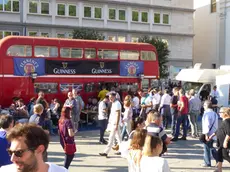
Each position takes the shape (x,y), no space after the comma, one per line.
(114,124)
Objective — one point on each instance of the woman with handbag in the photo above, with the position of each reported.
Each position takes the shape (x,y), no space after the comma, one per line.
(66,132)
(223,138)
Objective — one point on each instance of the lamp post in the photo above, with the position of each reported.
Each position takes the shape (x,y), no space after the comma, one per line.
(33,76)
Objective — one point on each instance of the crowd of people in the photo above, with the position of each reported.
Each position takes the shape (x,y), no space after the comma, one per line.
(137,127)
(142,118)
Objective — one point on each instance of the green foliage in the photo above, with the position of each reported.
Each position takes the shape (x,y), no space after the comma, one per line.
(163,53)
(87,33)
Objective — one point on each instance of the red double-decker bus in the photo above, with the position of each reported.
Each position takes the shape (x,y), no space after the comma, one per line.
(56,66)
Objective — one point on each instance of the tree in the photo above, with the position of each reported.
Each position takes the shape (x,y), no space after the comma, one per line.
(87,33)
(163,53)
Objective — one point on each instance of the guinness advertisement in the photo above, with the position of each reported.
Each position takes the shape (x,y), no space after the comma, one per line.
(55,67)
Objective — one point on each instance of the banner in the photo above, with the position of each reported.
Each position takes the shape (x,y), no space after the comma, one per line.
(26,66)
(55,67)
(131,68)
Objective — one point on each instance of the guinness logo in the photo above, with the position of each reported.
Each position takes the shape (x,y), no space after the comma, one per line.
(102,65)
(64,64)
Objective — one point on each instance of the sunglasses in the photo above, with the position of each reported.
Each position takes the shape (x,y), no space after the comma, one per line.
(18,153)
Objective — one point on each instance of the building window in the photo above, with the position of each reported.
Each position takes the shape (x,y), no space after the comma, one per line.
(134,39)
(213,6)
(135,15)
(112,38)
(9,6)
(121,39)
(112,14)
(61,9)
(157,18)
(144,17)
(8,33)
(97,13)
(45,8)
(60,35)
(33,33)
(122,15)
(15,6)
(165,19)
(70,35)
(45,35)
(87,11)
(33,7)
(72,10)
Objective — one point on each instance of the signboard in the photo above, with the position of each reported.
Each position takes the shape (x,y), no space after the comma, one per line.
(131,68)
(55,67)
(26,66)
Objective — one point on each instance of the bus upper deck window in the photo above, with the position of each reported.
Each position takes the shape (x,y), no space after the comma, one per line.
(71,52)
(76,53)
(65,52)
(90,53)
(20,50)
(46,51)
(148,55)
(129,55)
(108,54)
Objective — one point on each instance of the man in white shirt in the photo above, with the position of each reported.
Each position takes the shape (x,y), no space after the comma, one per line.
(28,143)
(114,124)
(209,126)
(103,118)
(156,99)
(165,108)
(215,93)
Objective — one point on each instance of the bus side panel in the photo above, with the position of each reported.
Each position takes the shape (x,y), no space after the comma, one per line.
(15,87)
(1,89)
(151,68)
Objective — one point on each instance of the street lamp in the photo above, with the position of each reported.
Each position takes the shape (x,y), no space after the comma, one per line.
(33,76)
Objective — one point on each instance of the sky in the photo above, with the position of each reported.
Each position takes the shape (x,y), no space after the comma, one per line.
(3,1)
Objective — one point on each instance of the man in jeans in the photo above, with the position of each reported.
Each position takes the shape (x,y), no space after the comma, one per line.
(209,126)
(182,116)
(174,111)
(103,118)
(194,111)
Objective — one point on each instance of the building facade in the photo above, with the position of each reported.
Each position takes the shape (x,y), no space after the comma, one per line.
(118,20)
(212,33)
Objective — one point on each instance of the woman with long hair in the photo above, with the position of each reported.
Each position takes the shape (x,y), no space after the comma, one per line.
(66,132)
(152,149)
(127,116)
(135,150)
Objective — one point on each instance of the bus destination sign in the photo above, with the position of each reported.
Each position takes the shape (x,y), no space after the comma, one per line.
(55,67)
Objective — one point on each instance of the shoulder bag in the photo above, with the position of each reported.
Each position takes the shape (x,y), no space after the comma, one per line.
(69,149)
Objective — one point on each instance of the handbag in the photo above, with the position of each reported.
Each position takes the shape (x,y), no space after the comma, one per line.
(69,148)
(202,136)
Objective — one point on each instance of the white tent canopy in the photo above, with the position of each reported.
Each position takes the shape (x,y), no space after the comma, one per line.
(200,75)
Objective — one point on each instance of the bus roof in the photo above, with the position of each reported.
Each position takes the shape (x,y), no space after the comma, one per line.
(12,38)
